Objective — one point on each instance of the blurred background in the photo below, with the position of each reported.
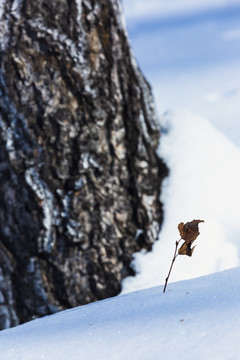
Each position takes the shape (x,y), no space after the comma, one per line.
(189,51)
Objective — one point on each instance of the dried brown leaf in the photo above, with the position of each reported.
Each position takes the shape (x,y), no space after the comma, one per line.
(189,231)
(186,249)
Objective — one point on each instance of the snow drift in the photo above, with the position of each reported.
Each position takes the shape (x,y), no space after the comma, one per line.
(194,319)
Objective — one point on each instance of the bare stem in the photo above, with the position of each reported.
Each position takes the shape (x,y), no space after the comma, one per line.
(173,260)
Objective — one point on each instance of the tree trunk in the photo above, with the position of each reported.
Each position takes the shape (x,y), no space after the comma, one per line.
(79,175)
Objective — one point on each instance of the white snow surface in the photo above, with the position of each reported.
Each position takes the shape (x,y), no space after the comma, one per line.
(196,319)
(203,184)
(188,50)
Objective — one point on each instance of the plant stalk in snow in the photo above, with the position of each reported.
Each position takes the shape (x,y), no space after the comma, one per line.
(189,232)
(173,260)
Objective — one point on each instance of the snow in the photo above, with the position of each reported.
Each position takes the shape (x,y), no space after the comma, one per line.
(194,319)
(201,160)
(190,53)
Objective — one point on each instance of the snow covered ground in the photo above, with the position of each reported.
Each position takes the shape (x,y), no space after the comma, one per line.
(196,319)
(203,184)
(190,53)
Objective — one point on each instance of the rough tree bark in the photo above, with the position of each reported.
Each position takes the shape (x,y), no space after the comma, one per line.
(79,175)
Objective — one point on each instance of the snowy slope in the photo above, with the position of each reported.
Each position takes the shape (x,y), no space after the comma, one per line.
(203,184)
(195,319)
(189,51)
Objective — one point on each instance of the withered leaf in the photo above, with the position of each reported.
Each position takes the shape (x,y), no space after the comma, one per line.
(186,249)
(189,231)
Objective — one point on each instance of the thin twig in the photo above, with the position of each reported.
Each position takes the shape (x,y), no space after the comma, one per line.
(174,258)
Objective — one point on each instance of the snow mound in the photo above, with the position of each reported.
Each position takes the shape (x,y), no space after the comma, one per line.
(203,184)
(194,319)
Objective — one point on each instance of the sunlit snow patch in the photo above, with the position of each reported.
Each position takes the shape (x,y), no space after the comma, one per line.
(203,184)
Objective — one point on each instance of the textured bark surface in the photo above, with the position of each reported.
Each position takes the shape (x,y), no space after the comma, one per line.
(79,176)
